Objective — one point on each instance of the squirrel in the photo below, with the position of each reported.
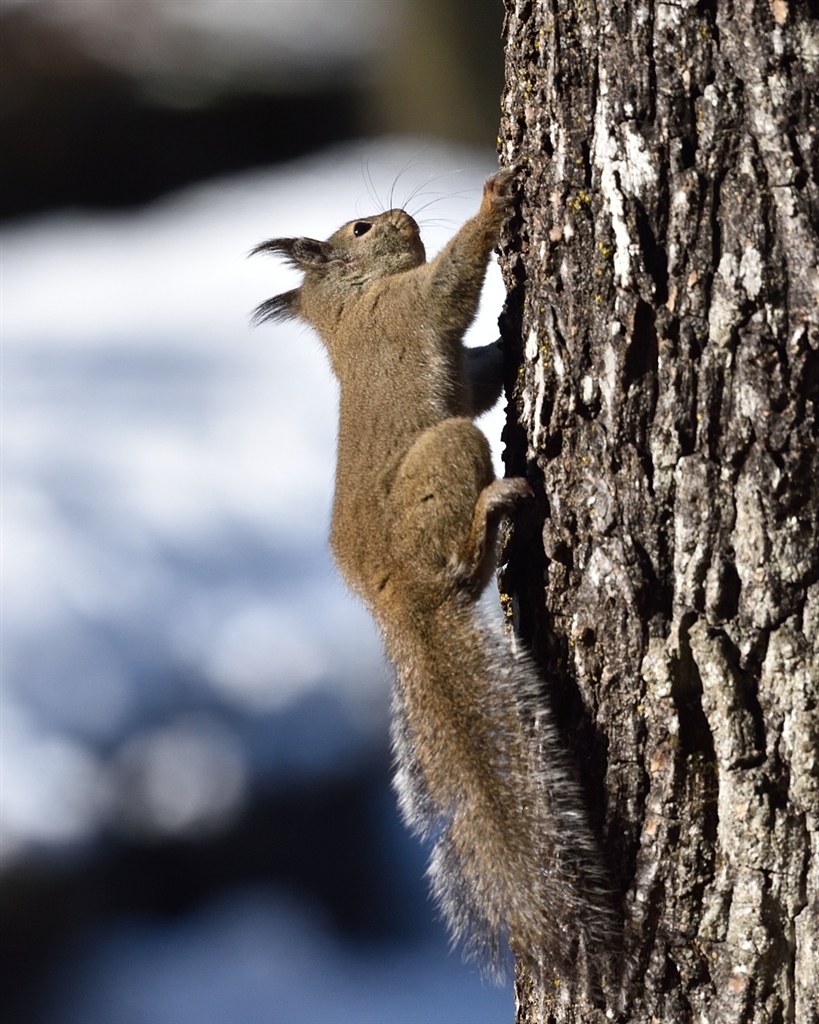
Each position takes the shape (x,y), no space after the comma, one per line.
(416,512)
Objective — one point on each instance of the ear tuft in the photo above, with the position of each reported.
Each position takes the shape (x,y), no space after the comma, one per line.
(301,253)
(309,252)
(276,246)
(276,310)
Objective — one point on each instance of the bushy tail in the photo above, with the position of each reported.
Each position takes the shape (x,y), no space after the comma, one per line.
(482,772)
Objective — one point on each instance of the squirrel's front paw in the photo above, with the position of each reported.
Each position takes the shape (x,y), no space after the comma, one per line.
(497,190)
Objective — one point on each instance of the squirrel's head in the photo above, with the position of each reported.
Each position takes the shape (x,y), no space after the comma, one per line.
(360,252)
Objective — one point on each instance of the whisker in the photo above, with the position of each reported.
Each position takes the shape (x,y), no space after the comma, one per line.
(440,196)
(369,184)
(436,177)
(422,184)
(412,162)
(438,222)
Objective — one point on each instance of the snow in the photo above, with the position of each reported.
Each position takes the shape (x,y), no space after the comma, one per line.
(167,470)
(167,482)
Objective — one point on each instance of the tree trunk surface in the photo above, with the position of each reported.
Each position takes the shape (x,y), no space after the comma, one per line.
(664,302)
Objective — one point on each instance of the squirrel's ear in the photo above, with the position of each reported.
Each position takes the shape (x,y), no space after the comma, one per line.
(301,253)
(279,308)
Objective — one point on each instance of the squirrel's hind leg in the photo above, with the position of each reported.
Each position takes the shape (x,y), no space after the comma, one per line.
(477,561)
(445,510)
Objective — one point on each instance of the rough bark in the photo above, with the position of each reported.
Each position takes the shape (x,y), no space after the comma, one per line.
(664,301)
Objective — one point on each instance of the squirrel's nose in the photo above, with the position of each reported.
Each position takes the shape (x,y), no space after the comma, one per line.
(403,222)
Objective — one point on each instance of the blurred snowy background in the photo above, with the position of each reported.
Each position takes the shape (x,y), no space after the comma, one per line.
(196,823)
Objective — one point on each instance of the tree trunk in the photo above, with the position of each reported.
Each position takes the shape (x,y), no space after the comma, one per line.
(664,301)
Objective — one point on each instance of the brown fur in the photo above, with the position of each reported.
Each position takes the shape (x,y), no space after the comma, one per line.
(414,529)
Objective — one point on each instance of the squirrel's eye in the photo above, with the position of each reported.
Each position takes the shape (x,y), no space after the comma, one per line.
(361,228)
